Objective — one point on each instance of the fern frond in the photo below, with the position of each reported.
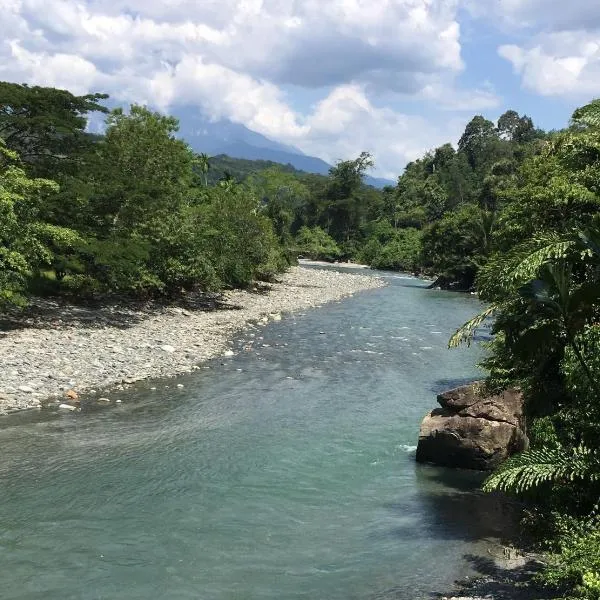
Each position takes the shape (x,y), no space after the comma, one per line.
(534,467)
(466,333)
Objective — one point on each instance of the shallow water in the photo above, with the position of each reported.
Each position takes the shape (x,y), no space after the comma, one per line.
(286,472)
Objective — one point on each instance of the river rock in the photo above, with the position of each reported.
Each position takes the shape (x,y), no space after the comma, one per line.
(473,430)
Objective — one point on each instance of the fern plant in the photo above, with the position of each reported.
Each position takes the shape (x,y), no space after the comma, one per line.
(534,467)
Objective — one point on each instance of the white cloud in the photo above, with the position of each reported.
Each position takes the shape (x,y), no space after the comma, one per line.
(560,64)
(392,137)
(561,52)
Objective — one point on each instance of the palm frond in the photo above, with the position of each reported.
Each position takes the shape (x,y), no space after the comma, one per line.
(534,467)
(530,264)
(466,333)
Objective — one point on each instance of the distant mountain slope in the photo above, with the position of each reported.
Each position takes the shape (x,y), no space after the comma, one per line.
(240,168)
(237,141)
(300,162)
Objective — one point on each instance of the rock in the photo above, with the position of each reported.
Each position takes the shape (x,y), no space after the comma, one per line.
(180,385)
(167,348)
(72,395)
(229,353)
(103,401)
(26,388)
(472,430)
(67,407)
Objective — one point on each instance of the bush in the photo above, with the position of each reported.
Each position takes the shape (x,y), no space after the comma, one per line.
(574,565)
(390,248)
(316,244)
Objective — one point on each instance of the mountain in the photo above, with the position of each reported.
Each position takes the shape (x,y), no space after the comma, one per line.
(235,140)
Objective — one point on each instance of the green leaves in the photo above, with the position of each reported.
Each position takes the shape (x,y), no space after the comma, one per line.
(534,467)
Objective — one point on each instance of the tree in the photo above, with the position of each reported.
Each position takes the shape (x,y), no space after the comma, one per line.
(203,162)
(514,128)
(142,175)
(27,243)
(476,140)
(47,126)
(345,207)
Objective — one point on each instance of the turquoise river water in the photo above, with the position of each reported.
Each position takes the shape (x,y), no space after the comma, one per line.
(286,472)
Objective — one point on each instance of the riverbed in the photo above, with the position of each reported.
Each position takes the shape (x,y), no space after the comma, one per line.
(283,472)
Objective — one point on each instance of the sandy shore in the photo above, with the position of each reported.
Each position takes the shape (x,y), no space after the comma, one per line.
(54,353)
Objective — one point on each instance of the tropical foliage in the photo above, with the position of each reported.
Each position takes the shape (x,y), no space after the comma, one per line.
(542,282)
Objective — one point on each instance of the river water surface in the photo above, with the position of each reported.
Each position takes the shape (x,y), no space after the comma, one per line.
(284,472)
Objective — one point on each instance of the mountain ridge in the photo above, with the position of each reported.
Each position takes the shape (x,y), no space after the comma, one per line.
(218,137)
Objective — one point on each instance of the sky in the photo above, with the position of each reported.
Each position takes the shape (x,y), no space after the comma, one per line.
(330,77)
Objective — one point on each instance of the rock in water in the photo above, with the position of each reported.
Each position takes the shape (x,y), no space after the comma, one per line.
(473,430)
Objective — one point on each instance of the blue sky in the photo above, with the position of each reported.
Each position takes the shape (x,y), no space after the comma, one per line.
(331,77)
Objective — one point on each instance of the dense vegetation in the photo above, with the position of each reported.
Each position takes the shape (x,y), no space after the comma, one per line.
(127,212)
(541,280)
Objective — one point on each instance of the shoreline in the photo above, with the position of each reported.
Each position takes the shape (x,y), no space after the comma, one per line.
(324,263)
(73,351)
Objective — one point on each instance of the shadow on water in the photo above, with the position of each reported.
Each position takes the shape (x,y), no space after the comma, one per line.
(456,509)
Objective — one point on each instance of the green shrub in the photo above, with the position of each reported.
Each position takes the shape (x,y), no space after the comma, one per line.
(574,564)
(316,244)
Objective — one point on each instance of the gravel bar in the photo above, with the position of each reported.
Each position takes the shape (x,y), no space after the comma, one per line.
(58,352)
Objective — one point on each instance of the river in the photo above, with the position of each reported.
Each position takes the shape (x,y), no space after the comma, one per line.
(284,472)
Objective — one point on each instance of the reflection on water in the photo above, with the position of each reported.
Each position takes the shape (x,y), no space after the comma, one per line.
(285,472)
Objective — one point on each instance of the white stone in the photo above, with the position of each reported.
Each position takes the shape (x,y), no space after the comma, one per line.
(26,388)
(229,353)
(67,407)
(167,348)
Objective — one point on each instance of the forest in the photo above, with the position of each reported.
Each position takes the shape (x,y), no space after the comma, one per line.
(511,212)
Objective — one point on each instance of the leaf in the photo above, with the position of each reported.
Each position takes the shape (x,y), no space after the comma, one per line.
(466,333)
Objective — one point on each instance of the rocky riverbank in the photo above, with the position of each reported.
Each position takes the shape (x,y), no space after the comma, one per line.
(53,353)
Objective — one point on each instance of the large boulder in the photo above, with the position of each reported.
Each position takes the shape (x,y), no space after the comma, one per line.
(473,430)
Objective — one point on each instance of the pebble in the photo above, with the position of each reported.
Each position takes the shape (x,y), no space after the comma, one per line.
(96,351)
